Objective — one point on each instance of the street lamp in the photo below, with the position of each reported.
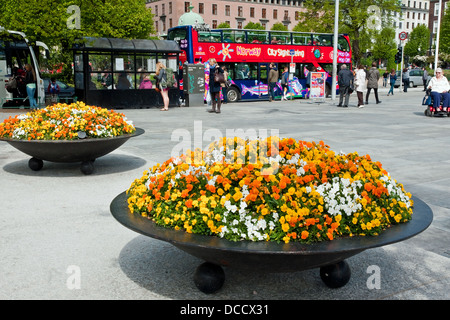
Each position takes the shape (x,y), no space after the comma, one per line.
(335,38)
(436,54)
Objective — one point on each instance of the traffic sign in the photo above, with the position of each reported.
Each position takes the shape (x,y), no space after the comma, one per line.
(292,52)
(403,35)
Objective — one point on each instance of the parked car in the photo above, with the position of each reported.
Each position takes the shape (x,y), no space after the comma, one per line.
(415,78)
(66,92)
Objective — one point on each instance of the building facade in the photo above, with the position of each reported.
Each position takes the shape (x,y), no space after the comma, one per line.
(236,13)
(413,13)
(434,13)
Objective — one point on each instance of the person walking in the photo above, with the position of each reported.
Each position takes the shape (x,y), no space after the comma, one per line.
(345,81)
(214,86)
(405,79)
(285,82)
(360,85)
(30,81)
(385,78)
(161,77)
(273,78)
(425,78)
(224,86)
(373,75)
(392,79)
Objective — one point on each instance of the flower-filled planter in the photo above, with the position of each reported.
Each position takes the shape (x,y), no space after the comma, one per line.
(301,191)
(271,204)
(67,133)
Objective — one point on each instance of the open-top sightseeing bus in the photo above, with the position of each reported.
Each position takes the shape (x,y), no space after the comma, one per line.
(15,53)
(247,55)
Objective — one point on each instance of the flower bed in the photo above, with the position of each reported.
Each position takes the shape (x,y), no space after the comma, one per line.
(66,122)
(271,190)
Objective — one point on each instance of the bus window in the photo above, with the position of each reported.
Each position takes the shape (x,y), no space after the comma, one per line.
(343,44)
(177,34)
(242,71)
(210,36)
(285,38)
(228,36)
(324,40)
(301,39)
(257,37)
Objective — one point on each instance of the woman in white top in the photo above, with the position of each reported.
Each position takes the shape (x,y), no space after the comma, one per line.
(360,84)
(440,89)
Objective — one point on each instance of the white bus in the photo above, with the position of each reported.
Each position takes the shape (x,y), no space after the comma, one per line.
(15,53)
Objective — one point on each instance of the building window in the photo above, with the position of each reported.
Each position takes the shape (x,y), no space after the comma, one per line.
(163,9)
(201,8)
(186,6)
(252,12)
(214,24)
(239,25)
(240,11)
(170,23)
(297,15)
(214,9)
(227,11)
(263,13)
(275,13)
(170,7)
(156,10)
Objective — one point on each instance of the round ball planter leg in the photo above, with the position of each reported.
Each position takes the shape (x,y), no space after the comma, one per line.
(336,275)
(87,167)
(209,277)
(35,164)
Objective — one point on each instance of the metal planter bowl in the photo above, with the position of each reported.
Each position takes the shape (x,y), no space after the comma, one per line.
(82,150)
(269,256)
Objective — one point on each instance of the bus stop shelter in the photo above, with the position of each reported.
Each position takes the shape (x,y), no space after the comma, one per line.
(114,73)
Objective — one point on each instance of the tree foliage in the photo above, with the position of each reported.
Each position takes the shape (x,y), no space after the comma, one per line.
(444,38)
(418,41)
(47,21)
(254,26)
(356,18)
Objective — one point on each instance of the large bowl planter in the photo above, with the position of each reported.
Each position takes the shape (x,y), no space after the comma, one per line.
(81,150)
(329,256)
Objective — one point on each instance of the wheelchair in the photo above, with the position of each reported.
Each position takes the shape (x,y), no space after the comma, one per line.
(431,111)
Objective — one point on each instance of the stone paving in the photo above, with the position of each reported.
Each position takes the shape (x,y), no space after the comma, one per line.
(60,241)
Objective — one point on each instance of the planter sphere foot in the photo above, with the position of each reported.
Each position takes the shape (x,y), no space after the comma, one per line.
(35,164)
(335,275)
(87,167)
(209,277)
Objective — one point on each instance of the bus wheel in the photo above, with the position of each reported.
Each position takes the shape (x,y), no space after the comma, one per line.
(233,94)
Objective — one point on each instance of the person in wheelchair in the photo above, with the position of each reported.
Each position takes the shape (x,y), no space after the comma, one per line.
(440,88)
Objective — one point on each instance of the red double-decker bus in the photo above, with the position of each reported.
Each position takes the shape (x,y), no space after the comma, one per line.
(247,55)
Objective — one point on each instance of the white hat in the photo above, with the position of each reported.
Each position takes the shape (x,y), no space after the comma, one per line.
(438,70)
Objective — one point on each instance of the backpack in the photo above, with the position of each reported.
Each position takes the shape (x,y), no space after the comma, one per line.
(171,80)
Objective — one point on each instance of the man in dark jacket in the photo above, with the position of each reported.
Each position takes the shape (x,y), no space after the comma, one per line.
(345,81)
(273,78)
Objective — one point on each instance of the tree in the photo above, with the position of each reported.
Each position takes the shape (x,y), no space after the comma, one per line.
(224,25)
(384,46)
(444,38)
(356,17)
(254,26)
(47,21)
(279,27)
(418,41)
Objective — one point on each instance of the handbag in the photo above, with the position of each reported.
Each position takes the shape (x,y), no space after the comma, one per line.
(219,77)
(427,101)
